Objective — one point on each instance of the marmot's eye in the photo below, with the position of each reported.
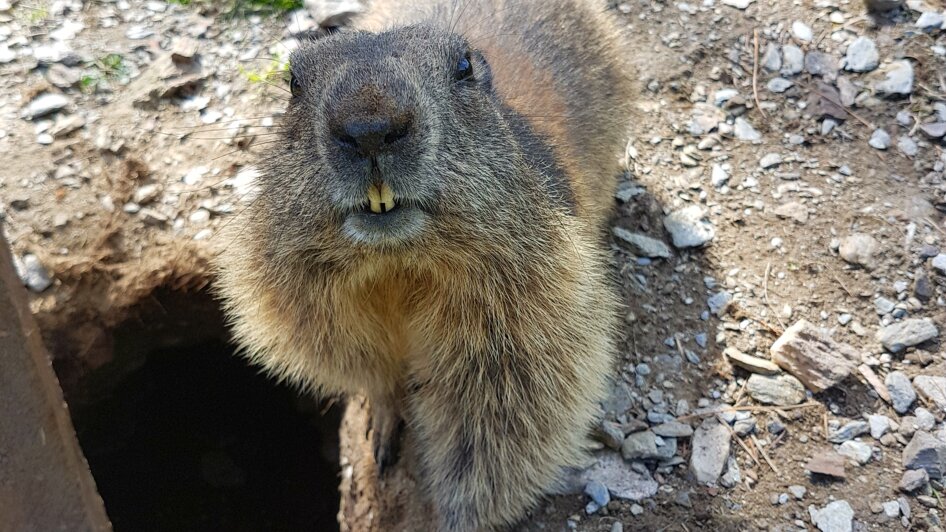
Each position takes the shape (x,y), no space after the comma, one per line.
(464,68)
(294,86)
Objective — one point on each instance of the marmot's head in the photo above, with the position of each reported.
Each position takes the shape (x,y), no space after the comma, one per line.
(393,141)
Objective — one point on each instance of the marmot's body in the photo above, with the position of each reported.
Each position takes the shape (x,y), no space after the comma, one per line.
(430,235)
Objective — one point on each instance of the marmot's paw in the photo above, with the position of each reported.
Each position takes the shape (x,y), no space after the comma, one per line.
(386,428)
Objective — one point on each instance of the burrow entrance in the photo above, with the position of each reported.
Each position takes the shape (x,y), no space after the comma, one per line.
(181,434)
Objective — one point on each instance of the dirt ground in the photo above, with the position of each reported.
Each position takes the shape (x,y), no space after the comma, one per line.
(123,190)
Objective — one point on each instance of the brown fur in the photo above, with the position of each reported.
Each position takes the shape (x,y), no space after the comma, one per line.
(492,336)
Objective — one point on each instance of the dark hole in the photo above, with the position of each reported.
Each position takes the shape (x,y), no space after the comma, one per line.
(182,435)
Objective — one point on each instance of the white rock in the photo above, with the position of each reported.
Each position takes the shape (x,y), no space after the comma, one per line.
(855,450)
(802,31)
(835,517)
(931,20)
(879,139)
(689,227)
(44,104)
(862,55)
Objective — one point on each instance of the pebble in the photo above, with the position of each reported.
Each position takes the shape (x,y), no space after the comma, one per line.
(913,480)
(33,273)
(673,429)
(848,431)
(821,64)
(710,451)
(907,146)
(879,139)
(902,394)
(891,509)
(925,451)
(862,55)
(933,389)
(769,160)
(772,58)
(738,4)
(924,419)
(883,306)
(793,60)
(857,451)
(797,491)
(935,130)
(898,80)
(780,390)
(913,331)
(640,446)
(718,176)
(859,249)
(45,104)
(779,85)
(939,263)
(828,463)
(622,479)
(802,31)
(931,20)
(743,130)
(879,425)
(689,227)
(837,516)
(642,244)
(598,493)
(744,427)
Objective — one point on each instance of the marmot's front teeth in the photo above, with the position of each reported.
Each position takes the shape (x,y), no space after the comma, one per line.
(380,199)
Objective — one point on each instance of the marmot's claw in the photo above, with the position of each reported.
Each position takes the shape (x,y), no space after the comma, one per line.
(386,441)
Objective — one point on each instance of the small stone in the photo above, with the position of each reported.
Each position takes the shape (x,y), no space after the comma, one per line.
(935,130)
(146,194)
(769,160)
(673,429)
(642,245)
(933,389)
(797,491)
(802,31)
(821,64)
(738,4)
(705,118)
(689,227)
(837,516)
(621,478)
(848,431)
(813,357)
(751,363)
(879,139)
(892,509)
(743,130)
(884,306)
(901,391)
(925,451)
(780,390)
(828,463)
(898,79)
(931,20)
(44,104)
(913,480)
(33,273)
(859,249)
(710,451)
(719,303)
(62,76)
(913,331)
(745,427)
(598,493)
(939,263)
(857,451)
(924,419)
(794,210)
(847,92)
(862,55)
(772,59)
(879,425)
(928,501)
(718,176)
(640,446)
(610,434)
(779,85)
(907,146)
(733,476)
(793,60)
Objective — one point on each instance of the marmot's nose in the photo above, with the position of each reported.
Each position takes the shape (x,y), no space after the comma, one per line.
(368,136)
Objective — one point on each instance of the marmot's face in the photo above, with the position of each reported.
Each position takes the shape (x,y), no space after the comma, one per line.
(392,140)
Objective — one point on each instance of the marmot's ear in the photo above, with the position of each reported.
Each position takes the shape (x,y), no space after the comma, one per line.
(481,69)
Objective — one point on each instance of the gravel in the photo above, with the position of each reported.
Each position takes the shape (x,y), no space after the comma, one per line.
(849,431)
(862,55)
(837,516)
(710,450)
(913,480)
(879,139)
(902,394)
(927,452)
(793,60)
(907,333)
(859,249)
(858,451)
(780,390)
(898,79)
(689,227)
(45,104)
(642,245)
(33,273)
(933,389)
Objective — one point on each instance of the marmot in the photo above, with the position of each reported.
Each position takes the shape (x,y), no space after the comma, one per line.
(429,233)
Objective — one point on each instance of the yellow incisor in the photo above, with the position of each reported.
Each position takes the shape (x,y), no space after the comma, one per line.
(380,198)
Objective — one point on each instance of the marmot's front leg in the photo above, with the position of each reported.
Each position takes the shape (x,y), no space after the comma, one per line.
(496,430)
